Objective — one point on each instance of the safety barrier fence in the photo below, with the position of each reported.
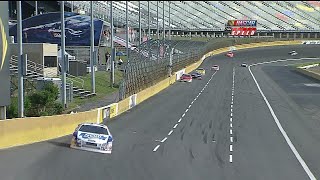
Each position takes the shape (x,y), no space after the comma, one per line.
(16,132)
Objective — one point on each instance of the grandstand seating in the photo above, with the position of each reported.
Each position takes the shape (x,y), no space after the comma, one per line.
(35,71)
(271,15)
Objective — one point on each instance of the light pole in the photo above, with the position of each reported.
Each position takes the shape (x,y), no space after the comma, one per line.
(92,51)
(20,64)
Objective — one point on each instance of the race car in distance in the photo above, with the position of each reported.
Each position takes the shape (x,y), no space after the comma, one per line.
(92,137)
(186,78)
(215,67)
(230,54)
(244,64)
(196,75)
(293,53)
(201,71)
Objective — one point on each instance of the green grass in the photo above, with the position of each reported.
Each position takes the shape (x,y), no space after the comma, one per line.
(103,87)
(305,64)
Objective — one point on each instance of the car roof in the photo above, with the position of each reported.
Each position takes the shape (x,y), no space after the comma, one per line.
(93,124)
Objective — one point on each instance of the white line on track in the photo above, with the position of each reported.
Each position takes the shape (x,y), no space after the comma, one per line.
(231,110)
(231,119)
(231,148)
(231,102)
(231,114)
(231,106)
(156,148)
(164,139)
(231,131)
(283,132)
(231,139)
(230,158)
(231,125)
(175,126)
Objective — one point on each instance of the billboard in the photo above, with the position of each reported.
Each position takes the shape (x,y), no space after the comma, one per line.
(4,55)
(241,27)
(46,28)
(243,31)
(252,23)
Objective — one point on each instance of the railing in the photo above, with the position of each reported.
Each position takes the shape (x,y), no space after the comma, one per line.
(35,67)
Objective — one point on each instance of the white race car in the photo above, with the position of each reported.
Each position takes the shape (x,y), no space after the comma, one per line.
(293,53)
(244,65)
(92,137)
(215,67)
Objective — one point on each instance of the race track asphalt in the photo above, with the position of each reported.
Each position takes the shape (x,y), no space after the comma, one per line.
(199,145)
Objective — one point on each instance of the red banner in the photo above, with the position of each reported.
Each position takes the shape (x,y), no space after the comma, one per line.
(243,31)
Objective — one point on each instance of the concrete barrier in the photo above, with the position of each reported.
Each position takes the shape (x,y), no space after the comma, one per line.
(22,131)
(29,130)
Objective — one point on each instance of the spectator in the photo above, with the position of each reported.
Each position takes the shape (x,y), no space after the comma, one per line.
(107,57)
(120,62)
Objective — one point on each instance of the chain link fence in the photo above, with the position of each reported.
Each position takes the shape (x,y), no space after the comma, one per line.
(150,62)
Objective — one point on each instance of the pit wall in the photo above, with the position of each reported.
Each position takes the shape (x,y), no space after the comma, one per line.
(15,132)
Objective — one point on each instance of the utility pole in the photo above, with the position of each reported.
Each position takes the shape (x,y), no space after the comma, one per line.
(20,64)
(169,22)
(127,33)
(149,45)
(92,52)
(63,60)
(36,7)
(112,45)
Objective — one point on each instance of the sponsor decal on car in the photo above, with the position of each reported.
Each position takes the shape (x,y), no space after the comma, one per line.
(90,136)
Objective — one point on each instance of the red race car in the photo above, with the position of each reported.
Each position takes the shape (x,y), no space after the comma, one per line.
(230,54)
(186,78)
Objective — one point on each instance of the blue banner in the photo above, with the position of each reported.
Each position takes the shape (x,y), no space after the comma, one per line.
(46,28)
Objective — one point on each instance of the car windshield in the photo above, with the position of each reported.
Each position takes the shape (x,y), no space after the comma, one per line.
(94,129)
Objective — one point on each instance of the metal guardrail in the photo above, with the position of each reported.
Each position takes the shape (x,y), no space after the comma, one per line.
(36,68)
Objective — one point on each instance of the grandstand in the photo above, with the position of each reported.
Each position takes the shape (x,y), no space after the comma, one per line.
(212,15)
(205,15)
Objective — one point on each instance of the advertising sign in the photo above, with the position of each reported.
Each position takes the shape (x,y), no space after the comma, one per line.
(132,101)
(4,55)
(46,28)
(113,110)
(252,23)
(243,31)
(180,73)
